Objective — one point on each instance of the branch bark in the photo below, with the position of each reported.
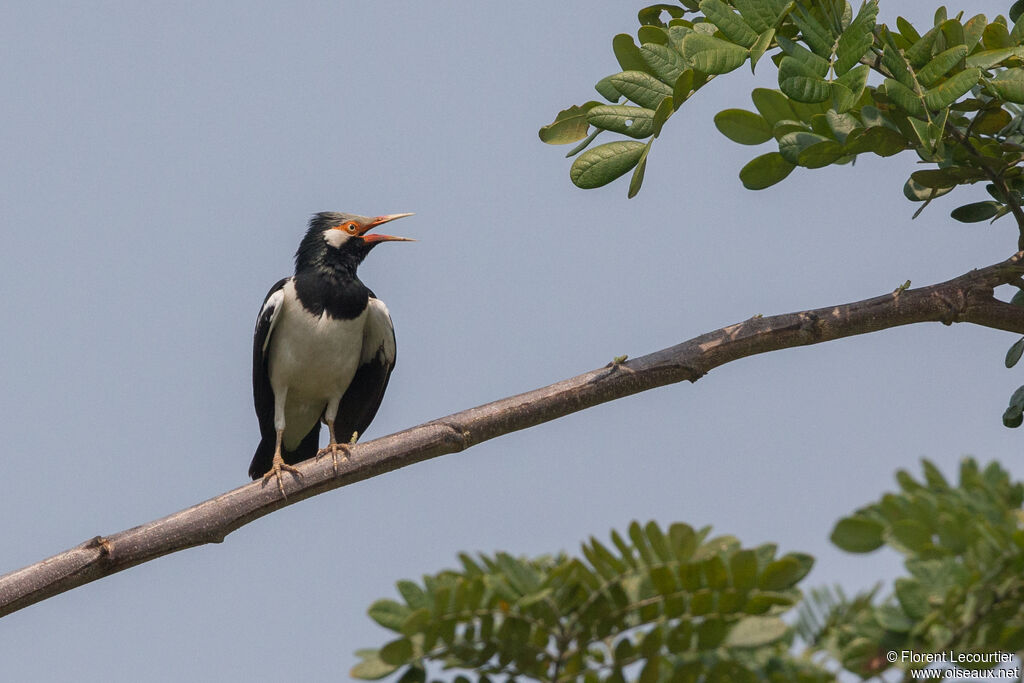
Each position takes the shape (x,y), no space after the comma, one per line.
(967,298)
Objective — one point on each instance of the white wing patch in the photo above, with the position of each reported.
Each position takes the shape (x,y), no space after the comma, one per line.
(378,334)
(271,310)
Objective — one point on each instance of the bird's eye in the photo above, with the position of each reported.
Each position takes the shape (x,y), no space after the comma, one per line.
(350,228)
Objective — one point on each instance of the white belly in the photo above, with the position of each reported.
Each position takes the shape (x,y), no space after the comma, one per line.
(313,362)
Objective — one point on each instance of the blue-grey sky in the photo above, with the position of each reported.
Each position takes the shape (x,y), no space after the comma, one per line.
(160,161)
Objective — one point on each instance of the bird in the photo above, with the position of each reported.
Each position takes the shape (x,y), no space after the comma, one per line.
(323,348)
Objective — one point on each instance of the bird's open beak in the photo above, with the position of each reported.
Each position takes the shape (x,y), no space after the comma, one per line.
(381,220)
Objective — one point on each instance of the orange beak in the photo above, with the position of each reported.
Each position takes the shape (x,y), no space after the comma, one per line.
(381,220)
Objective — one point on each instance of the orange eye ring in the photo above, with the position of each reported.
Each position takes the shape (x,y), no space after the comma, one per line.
(350,228)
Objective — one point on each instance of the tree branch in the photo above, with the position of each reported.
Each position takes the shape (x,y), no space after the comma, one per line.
(968,298)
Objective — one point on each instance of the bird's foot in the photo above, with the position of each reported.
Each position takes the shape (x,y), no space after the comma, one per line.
(276,469)
(334,449)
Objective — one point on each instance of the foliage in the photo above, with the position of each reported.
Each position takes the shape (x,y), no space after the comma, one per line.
(662,605)
(964,552)
(950,93)
(676,605)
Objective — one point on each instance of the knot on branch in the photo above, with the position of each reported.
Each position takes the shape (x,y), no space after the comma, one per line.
(455,435)
(955,309)
(104,547)
(810,326)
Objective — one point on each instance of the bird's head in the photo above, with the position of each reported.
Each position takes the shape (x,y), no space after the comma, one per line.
(342,237)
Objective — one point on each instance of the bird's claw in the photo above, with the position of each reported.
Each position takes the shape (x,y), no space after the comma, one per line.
(275,471)
(333,450)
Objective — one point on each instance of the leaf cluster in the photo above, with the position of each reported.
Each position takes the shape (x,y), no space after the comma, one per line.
(950,93)
(964,553)
(656,604)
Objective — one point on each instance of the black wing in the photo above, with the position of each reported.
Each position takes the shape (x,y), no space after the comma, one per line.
(362,399)
(262,392)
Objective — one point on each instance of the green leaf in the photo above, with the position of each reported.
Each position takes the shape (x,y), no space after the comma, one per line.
(397,652)
(933,476)
(791,144)
(764,171)
(814,34)
(638,173)
(1014,354)
(652,34)
(757,50)
(814,64)
(658,541)
(853,83)
(1014,415)
(758,14)
(523,578)
(800,83)
(743,567)
(898,66)
(372,667)
(728,22)
(912,596)
(636,122)
(910,534)
(782,573)
(416,621)
(413,594)
(570,125)
(986,59)
(652,15)
(858,535)
(636,534)
(920,52)
(667,64)
(856,39)
(640,87)
(940,65)
(661,115)
(606,90)
(628,54)
(604,163)
(841,125)
(1017,34)
(750,632)
(904,97)
(996,36)
(684,541)
(975,213)
(991,121)
(881,140)
(820,154)
(916,192)
(907,30)
(1016,11)
(938,177)
(744,127)
(712,55)
(583,145)
(974,28)
(711,632)
(950,90)
(389,614)
(1009,84)
(682,88)
(772,105)
(760,602)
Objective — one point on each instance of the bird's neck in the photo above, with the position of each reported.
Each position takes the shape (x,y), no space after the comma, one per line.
(333,288)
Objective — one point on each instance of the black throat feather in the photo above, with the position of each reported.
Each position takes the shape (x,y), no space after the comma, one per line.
(325,276)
